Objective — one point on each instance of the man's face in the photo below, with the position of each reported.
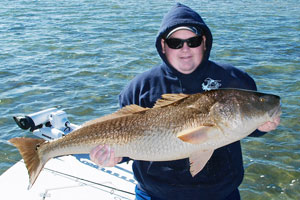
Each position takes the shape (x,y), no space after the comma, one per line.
(186,59)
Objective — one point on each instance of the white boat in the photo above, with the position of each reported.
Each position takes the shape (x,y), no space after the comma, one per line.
(69,177)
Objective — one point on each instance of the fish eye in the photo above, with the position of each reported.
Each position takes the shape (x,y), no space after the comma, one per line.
(261,99)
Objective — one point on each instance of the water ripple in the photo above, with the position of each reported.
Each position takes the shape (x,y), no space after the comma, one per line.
(79,54)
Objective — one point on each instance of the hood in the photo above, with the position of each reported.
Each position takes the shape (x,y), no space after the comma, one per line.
(181,15)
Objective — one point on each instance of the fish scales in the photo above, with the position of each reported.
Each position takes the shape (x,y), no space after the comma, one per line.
(148,136)
(178,126)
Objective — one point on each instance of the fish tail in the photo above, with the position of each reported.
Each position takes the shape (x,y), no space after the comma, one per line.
(29,150)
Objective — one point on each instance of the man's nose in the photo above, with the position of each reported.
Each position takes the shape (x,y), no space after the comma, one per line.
(185,47)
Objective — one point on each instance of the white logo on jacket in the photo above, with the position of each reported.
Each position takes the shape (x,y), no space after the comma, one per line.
(210,84)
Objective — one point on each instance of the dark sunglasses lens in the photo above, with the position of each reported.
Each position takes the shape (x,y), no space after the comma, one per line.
(174,43)
(194,42)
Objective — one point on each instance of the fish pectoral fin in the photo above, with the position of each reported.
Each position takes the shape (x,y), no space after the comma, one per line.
(199,134)
(198,160)
(125,111)
(168,99)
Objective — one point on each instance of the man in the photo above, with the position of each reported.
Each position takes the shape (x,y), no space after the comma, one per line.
(184,43)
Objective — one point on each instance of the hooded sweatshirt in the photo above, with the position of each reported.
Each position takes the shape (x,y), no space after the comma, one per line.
(224,172)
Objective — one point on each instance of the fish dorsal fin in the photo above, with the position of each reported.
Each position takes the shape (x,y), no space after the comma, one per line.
(125,111)
(131,109)
(168,99)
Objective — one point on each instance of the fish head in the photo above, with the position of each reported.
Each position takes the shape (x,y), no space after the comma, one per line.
(240,112)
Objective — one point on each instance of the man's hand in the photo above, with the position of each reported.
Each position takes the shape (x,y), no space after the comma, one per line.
(270,126)
(104,156)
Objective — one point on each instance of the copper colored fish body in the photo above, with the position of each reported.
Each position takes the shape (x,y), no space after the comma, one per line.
(178,126)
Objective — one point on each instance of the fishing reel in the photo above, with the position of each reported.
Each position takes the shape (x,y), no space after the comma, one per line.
(47,124)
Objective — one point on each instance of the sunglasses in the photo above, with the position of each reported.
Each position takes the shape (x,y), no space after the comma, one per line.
(175,43)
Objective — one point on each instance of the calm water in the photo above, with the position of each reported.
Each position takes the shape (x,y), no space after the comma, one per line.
(79,54)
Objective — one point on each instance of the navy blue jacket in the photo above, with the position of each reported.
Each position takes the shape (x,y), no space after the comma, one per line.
(172,180)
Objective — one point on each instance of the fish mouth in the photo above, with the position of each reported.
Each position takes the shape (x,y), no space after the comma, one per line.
(275,112)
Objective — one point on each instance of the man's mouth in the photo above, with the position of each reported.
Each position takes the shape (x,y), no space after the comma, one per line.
(185,57)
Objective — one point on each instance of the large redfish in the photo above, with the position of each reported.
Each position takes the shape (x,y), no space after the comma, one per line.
(178,126)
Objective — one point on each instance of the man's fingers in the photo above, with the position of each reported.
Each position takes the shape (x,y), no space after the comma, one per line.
(94,152)
(110,161)
(104,156)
